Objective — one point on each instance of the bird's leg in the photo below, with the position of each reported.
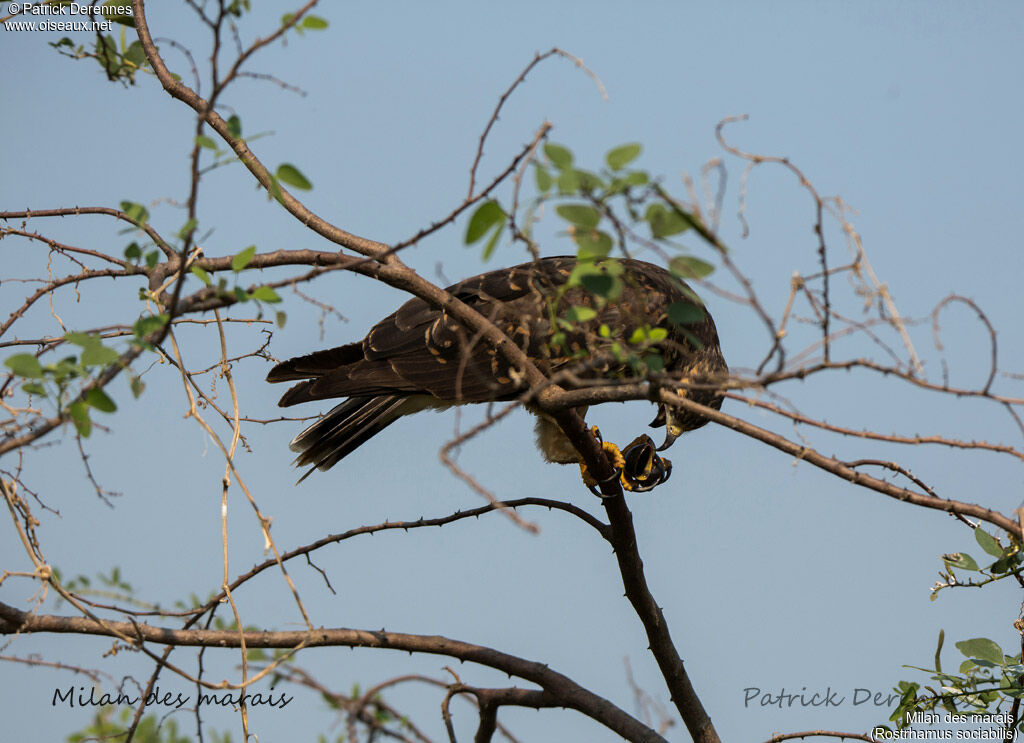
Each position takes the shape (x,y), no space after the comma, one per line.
(643,469)
(618,462)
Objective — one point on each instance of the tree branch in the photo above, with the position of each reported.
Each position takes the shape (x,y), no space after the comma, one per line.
(631,568)
(565,690)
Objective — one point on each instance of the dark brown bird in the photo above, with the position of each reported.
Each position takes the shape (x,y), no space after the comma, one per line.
(420,357)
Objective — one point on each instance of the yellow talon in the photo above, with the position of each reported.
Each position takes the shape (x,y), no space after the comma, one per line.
(639,470)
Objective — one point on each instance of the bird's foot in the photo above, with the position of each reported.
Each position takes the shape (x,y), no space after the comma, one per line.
(644,468)
(639,467)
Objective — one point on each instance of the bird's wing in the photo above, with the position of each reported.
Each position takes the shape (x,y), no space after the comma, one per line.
(420,349)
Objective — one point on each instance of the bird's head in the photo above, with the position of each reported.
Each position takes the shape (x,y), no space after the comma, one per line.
(697,375)
(678,421)
(671,419)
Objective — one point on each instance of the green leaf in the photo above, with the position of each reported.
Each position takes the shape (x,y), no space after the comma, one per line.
(118,13)
(265,294)
(243,259)
(568,182)
(492,243)
(84,340)
(275,189)
(648,335)
(601,285)
(592,244)
(559,156)
(1005,564)
(149,324)
(484,218)
(987,542)
(138,386)
(665,222)
(97,398)
(25,365)
(588,181)
(654,362)
(580,215)
(106,52)
(241,294)
(688,267)
(960,560)
(94,353)
(287,173)
(79,413)
(280,318)
(685,313)
(65,368)
(622,156)
(189,226)
(234,126)
(599,278)
(544,179)
(981,648)
(203,141)
(200,274)
(314,23)
(133,252)
(135,54)
(33,388)
(98,355)
(580,313)
(136,212)
(152,258)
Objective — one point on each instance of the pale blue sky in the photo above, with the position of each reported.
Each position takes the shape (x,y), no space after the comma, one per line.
(771,574)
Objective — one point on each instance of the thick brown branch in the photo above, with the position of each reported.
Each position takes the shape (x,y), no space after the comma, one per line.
(565,690)
(631,567)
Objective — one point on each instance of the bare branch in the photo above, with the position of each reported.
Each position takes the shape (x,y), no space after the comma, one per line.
(567,692)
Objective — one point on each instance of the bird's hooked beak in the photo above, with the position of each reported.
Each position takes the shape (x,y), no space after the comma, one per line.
(672,429)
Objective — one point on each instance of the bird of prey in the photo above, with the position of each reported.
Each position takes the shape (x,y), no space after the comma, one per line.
(420,357)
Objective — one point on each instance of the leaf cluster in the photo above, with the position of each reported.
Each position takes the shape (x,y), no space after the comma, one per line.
(607,212)
(110,723)
(986,678)
(118,58)
(1007,563)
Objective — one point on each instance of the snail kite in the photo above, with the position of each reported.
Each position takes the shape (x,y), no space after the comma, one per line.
(420,357)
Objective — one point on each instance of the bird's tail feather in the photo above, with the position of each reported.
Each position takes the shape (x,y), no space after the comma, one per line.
(344,428)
